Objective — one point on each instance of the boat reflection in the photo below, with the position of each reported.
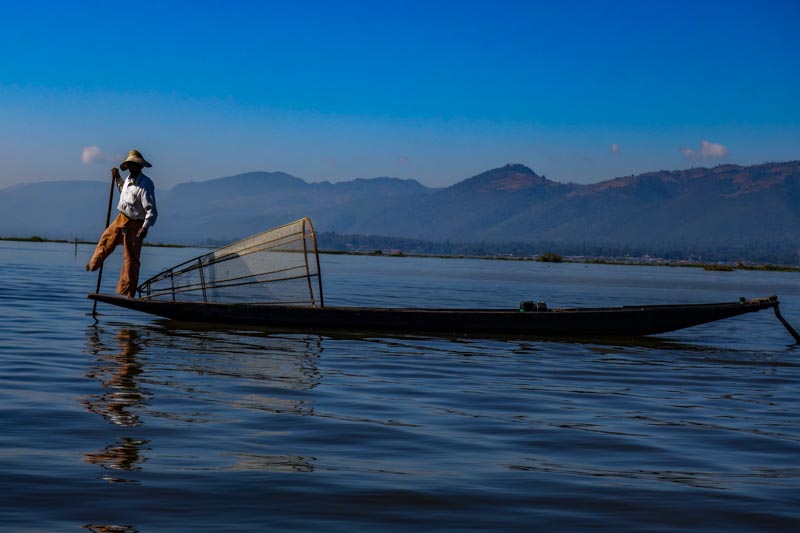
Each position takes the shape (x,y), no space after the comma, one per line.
(663,342)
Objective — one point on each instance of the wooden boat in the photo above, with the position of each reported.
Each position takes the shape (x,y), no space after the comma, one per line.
(629,321)
(273,280)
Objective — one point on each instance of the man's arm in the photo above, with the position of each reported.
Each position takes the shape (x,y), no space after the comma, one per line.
(151,213)
(117,178)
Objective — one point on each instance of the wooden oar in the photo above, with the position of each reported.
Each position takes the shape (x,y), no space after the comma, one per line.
(108,221)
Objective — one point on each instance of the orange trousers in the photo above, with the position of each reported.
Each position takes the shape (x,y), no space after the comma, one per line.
(121,230)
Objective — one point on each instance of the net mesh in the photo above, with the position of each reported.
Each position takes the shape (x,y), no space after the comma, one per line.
(278,266)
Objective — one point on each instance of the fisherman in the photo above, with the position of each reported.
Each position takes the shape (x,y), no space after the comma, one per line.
(137,214)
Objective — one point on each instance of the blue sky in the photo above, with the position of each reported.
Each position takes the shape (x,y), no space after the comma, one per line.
(437,90)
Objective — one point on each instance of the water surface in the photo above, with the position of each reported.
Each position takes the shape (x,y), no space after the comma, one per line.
(149,425)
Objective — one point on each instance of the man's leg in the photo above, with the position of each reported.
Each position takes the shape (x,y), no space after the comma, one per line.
(129,275)
(109,240)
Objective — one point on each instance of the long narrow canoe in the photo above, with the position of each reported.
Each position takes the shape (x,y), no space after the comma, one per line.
(628,321)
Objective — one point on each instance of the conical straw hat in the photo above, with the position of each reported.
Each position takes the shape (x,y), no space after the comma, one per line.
(134,156)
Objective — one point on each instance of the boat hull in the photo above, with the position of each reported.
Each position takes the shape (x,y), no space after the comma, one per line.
(628,321)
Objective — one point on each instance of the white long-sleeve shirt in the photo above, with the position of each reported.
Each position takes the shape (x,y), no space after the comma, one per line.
(137,199)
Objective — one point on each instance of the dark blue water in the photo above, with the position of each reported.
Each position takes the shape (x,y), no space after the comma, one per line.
(147,425)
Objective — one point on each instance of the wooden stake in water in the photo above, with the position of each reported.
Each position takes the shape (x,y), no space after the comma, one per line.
(786,324)
(108,220)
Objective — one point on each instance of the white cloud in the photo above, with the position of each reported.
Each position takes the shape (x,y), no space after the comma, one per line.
(712,150)
(93,154)
(615,148)
(708,151)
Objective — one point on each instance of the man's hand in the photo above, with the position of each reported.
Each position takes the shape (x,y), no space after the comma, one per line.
(141,234)
(115,173)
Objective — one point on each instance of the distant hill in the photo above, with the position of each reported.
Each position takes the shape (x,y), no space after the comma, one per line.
(238,206)
(727,207)
(55,209)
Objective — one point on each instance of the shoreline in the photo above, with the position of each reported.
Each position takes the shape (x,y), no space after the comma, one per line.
(545,258)
(76,241)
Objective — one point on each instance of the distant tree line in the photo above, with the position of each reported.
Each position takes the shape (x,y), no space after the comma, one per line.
(754,251)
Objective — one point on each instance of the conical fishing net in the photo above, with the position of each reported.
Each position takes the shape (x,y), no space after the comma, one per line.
(279,266)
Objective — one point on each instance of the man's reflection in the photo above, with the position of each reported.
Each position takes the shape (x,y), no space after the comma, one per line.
(98,528)
(118,372)
(124,455)
(222,376)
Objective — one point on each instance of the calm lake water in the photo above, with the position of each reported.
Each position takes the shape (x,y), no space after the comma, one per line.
(132,423)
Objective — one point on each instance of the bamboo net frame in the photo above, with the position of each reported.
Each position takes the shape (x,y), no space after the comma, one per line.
(277,267)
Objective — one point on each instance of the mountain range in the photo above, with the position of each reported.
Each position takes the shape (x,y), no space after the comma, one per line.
(727,206)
